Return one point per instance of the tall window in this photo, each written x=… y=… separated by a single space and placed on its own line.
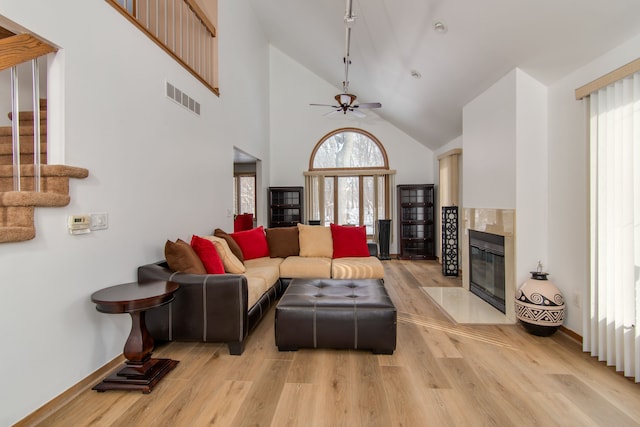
x=244 y=194
x=611 y=329
x=348 y=180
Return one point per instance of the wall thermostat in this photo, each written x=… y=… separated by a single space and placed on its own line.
x=79 y=224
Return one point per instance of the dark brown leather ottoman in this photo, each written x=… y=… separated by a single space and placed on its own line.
x=328 y=313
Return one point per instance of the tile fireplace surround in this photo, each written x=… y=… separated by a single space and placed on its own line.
x=495 y=221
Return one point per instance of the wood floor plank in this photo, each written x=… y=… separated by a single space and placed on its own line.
x=206 y=397
x=415 y=353
x=88 y=409
x=150 y=409
x=367 y=383
x=308 y=364
x=440 y=343
x=484 y=401
x=260 y=403
x=296 y=407
x=222 y=406
x=441 y=374
x=410 y=405
x=591 y=402
x=563 y=410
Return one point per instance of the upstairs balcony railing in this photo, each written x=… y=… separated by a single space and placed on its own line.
x=182 y=29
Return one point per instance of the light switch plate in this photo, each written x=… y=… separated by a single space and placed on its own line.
x=99 y=221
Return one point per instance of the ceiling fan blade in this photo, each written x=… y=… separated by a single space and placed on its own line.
x=369 y=105
x=332 y=113
x=325 y=105
x=357 y=113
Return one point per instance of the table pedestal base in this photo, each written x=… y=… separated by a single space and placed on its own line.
x=141 y=377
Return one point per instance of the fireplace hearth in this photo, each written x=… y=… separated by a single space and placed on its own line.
x=487 y=268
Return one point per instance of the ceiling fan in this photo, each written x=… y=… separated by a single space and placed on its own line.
x=346 y=101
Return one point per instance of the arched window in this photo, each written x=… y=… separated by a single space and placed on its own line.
x=349 y=180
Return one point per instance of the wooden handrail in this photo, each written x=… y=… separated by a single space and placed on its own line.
x=21 y=48
x=202 y=16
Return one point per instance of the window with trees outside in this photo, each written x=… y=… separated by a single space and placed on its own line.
x=348 y=180
x=244 y=194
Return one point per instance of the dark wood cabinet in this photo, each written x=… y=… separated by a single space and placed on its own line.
x=416 y=227
x=285 y=206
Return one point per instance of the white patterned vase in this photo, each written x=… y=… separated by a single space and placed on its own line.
x=540 y=306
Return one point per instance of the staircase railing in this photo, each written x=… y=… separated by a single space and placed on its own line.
x=182 y=29
x=15 y=50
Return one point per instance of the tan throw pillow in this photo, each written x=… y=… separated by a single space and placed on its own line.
x=233 y=245
x=315 y=240
x=182 y=257
x=231 y=263
x=283 y=242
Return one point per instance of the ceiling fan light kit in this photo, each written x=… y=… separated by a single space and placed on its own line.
x=346 y=101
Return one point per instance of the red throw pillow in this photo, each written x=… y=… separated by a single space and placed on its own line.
x=208 y=255
x=253 y=243
x=349 y=241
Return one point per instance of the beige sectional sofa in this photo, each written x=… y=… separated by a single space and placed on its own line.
x=226 y=307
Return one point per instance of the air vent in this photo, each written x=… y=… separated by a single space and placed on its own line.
x=178 y=96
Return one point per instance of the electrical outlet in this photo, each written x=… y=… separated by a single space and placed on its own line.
x=99 y=221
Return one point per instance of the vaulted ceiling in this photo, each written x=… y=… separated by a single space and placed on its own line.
x=481 y=42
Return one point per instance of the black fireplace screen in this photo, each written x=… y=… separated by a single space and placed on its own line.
x=487 y=275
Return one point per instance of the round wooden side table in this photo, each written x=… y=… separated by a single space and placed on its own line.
x=140 y=371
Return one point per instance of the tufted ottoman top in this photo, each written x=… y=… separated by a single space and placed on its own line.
x=336 y=293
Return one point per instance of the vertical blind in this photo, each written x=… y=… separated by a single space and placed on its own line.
x=611 y=331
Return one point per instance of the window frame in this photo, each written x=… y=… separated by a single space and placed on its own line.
x=237 y=192
x=316 y=177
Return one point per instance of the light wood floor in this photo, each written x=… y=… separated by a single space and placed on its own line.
x=442 y=374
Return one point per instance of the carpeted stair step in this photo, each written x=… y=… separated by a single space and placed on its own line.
x=16 y=234
x=26 y=145
x=24 y=114
x=17 y=207
x=16 y=199
x=53 y=178
x=26 y=153
x=25 y=129
x=16 y=223
x=27 y=116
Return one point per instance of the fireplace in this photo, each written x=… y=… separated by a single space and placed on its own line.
x=487 y=267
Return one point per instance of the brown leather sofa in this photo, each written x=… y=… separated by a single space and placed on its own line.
x=209 y=308
x=227 y=307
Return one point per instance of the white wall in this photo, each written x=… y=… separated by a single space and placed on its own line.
x=505 y=161
x=531 y=176
x=158 y=170
x=489 y=130
x=568 y=180
x=297 y=127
